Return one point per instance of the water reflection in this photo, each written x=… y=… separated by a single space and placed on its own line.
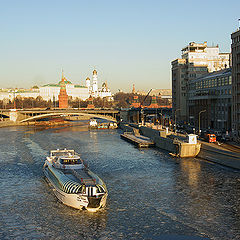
x=151 y=195
x=191 y=170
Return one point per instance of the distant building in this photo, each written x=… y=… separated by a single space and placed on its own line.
x=9 y=94
x=135 y=103
x=159 y=93
x=236 y=81
x=104 y=92
x=153 y=103
x=94 y=91
x=211 y=92
x=52 y=91
x=163 y=94
x=197 y=59
x=133 y=90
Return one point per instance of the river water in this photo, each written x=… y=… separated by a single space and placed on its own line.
x=151 y=195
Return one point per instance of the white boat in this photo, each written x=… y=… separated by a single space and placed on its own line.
x=73 y=183
x=93 y=123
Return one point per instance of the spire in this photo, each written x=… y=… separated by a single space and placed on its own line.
x=133 y=90
x=62 y=75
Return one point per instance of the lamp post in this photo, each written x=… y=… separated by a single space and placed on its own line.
x=176 y=118
x=199 y=121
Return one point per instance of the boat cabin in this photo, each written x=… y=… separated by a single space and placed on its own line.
x=66 y=159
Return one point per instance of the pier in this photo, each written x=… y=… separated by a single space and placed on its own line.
x=140 y=141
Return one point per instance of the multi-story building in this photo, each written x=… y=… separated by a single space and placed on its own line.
x=210 y=99
x=10 y=94
x=197 y=59
x=236 y=82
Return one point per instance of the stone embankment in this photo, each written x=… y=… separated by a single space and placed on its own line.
x=217 y=153
x=220 y=154
x=10 y=124
x=176 y=145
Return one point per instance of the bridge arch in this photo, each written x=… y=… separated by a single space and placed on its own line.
x=61 y=114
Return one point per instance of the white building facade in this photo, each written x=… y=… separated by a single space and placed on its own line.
x=197 y=59
x=51 y=91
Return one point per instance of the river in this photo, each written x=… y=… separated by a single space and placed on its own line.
x=151 y=195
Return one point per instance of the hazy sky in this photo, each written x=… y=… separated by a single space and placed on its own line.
x=128 y=42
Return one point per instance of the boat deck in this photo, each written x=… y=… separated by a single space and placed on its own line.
x=80 y=175
x=140 y=141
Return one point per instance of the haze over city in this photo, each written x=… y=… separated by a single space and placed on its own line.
x=128 y=42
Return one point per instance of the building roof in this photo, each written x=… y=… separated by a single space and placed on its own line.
x=79 y=86
x=51 y=85
x=219 y=73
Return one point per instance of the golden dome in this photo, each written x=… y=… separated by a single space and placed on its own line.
x=87 y=78
x=94 y=72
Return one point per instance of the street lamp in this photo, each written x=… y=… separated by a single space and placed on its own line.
x=199 y=121
x=176 y=118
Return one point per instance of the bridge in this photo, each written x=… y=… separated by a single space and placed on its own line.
x=30 y=115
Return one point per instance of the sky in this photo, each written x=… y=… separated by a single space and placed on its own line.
x=128 y=42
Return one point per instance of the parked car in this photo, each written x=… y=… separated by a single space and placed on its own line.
x=210 y=137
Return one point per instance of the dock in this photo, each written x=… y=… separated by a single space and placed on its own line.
x=140 y=141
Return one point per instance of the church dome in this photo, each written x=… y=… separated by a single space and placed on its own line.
x=94 y=72
x=87 y=78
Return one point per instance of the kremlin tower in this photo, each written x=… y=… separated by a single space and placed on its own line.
x=154 y=103
x=63 y=97
x=135 y=103
x=133 y=90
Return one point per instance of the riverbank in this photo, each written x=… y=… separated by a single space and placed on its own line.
x=221 y=154
x=175 y=145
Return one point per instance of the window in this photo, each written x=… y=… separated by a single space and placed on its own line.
x=226 y=80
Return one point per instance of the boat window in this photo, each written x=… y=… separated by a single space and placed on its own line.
x=62 y=153
x=68 y=161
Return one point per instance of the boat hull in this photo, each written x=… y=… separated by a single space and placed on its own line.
x=77 y=201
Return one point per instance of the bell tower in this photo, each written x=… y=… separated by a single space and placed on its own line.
x=95 y=84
